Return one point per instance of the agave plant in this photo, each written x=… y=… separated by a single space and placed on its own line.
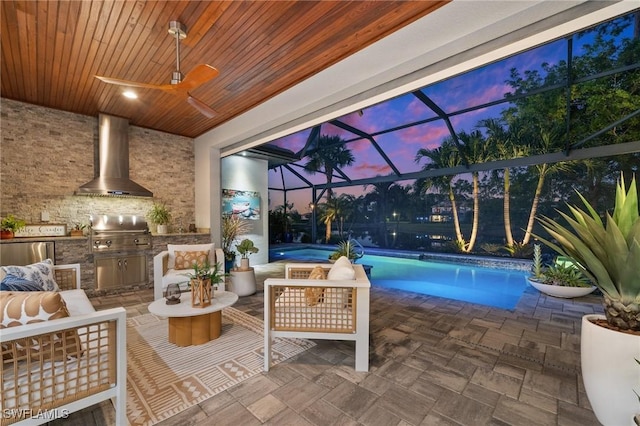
x=609 y=255
x=348 y=249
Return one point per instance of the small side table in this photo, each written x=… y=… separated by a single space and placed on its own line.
x=243 y=283
x=194 y=326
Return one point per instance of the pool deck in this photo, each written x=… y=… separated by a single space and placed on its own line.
x=433 y=361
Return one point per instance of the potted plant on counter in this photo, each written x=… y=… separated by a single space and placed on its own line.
x=160 y=216
x=77 y=230
x=246 y=248
x=609 y=254
x=10 y=225
x=563 y=279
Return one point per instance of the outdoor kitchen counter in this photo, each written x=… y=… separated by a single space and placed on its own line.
x=42 y=239
x=78 y=250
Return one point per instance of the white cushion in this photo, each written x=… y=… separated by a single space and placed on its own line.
x=179 y=276
x=172 y=248
x=175 y=276
x=77 y=302
x=342 y=270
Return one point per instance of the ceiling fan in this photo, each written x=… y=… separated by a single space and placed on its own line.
x=180 y=86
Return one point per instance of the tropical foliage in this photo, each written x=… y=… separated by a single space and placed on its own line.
x=207 y=272
x=345 y=248
x=232 y=227
x=328 y=157
x=246 y=248
x=159 y=214
x=607 y=252
x=11 y=223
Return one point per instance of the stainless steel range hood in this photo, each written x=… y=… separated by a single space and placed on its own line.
x=112 y=166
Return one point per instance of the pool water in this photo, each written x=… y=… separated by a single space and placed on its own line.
x=500 y=288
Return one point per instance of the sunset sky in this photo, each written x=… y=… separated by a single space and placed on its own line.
x=467 y=90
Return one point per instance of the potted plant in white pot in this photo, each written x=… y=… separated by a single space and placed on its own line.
x=160 y=216
x=558 y=280
x=246 y=248
x=609 y=254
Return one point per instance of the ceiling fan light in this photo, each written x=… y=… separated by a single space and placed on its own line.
x=178 y=29
x=130 y=94
x=176 y=77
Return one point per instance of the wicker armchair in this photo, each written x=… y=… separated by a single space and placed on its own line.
x=339 y=311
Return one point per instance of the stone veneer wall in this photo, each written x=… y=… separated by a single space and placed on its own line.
x=45 y=154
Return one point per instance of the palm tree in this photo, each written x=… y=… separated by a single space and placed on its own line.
x=329 y=211
x=549 y=142
x=443 y=157
x=380 y=195
x=347 y=208
x=330 y=154
x=474 y=147
x=502 y=145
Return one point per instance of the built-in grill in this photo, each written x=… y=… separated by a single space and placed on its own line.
x=119 y=233
x=125 y=242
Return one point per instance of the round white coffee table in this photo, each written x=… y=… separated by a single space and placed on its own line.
x=194 y=326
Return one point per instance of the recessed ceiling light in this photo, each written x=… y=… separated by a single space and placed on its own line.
x=129 y=94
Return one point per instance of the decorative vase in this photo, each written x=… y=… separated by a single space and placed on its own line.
x=6 y=234
x=244 y=264
x=610 y=372
x=162 y=229
x=561 y=291
x=201 y=293
x=229 y=264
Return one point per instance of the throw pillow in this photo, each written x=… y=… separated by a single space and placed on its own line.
x=187 y=259
x=13 y=283
x=40 y=273
x=172 y=248
x=21 y=308
x=313 y=295
x=342 y=270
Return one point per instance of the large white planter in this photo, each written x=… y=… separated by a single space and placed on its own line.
x=561 y=291
x=610 y=372
x=243 y=283
x=162 y=229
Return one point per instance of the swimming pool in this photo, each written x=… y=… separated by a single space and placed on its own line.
x=499 y=288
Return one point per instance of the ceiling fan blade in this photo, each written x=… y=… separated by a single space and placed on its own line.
x=204 y=109
x=196 y=77
x=120 y=82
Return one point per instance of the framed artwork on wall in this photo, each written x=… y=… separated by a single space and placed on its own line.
x=243 y=204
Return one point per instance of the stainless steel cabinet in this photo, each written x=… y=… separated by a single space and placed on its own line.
x=113 y=272
x=21 y=253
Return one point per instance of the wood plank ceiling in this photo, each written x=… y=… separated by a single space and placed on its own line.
x=51 y=51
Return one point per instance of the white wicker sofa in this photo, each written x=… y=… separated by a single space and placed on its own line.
x=39 y=385
x=339 y=309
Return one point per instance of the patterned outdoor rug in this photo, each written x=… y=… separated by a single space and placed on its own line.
x=164 y=379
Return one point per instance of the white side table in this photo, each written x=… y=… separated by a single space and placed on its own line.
x=243 y=283
x=194 y=326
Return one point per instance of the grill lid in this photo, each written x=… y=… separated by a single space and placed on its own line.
x=101 y=223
